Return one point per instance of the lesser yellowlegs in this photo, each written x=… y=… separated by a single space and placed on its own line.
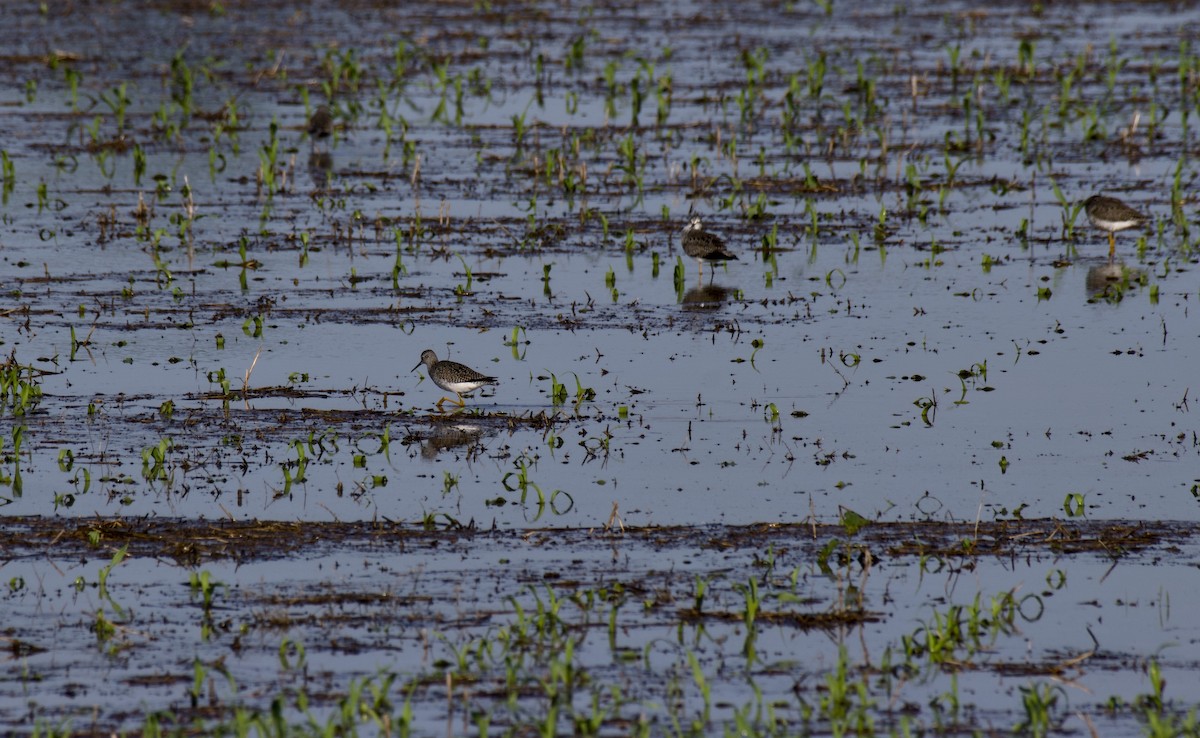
x=704 y=246
x=320 y=124
x=452 y=377
x=1112 y=215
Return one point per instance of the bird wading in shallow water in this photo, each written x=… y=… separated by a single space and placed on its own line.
x=452 y=377
x=320 y=124
x=704 y=246
x=1112 y=215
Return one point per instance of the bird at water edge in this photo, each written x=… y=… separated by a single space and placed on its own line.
x=704 y=246
x=452 y=377
x=1112 y=215
x=320 y=124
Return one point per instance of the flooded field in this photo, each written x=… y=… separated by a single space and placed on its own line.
x=920 y=460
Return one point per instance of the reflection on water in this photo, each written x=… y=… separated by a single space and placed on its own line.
x=320 y=169
x=445 y=437
x=706 y=297
x=1110 y=280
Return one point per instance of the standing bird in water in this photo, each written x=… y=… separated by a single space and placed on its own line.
x=452 y=377
x=704 y=246
x=1112 y=215
x=320 y=124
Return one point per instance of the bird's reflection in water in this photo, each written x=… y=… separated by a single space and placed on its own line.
x=1109 y=281
x=320 y=168
x=705 y=297
x=446 y=437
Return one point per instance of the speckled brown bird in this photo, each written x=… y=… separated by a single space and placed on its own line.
x=320 y=124
x=1112 y=215
x=704 y=246
x=453 y=377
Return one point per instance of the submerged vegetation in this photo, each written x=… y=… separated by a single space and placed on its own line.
x=593 y=651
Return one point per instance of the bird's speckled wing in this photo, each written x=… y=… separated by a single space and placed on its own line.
x=704 y=245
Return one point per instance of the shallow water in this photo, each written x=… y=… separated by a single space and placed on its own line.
x=920 y=327
x=342 y=600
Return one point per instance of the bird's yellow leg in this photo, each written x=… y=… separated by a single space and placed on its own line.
x=1112 y=246
x=460 y=402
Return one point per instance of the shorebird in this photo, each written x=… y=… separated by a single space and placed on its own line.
x=320 y=124
x=704 y=246
x=452 y=377
x=1112 y=215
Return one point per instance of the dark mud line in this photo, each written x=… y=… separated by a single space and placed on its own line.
x=197 y=541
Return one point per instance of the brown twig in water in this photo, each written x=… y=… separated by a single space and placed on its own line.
x=246 y=379
x=615 y=519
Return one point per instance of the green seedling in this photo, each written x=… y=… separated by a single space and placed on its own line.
x=1025 y=63
x=558 y=391
x=13 y=479
x=463 y=289
x=72 y=77
x=117 y=100
x=102 y=576
x=293 y=656
x=1040 y=702
x=183 y=84
x=295 y=471
x=202 y=584
x=518 y=342
x=8 y=175
x=928 y=407
x=154 y=461
x=756 y=344
x=20 y=391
